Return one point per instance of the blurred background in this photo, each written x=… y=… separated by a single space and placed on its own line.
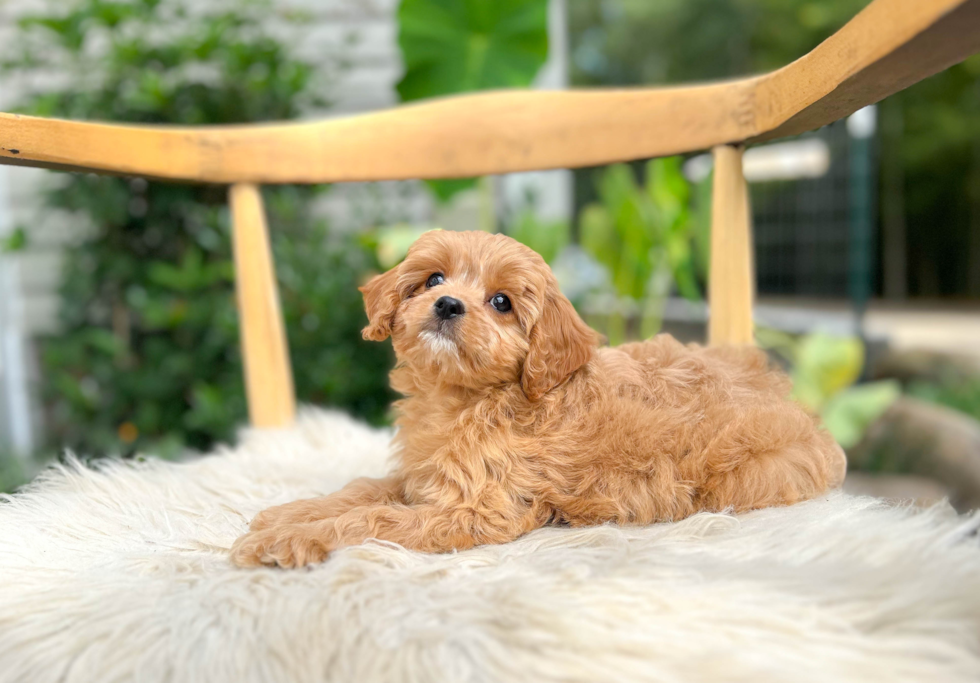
x=118 y=330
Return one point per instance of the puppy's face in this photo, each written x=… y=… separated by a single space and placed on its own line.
x=472 y=309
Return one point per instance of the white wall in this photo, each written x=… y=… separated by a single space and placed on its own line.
x=17 y=419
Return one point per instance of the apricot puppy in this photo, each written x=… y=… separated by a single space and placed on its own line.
x=514 y=418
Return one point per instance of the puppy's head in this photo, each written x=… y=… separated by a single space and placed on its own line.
x=473 y=309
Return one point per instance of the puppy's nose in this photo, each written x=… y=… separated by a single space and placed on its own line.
x=447 y=307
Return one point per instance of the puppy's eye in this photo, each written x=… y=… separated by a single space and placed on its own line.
x=435 y=279
x=500 y=302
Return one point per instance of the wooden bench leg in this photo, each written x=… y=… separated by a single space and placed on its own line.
x=731 y=282
x=268 y=374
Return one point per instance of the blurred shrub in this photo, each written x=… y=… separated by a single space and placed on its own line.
x=148 y=355
x=13 y=471
x=547 y=237
x=14 y=242
x=636 y=41
x=962 y=394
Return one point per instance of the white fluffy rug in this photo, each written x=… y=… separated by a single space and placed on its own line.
x=121 y=574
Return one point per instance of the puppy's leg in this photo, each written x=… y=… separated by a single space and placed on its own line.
x=358 y=493
x=426 y=528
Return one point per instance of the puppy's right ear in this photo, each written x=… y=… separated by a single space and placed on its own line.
x=381 y=298
x=560 y=344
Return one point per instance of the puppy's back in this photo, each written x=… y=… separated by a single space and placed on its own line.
x=728 y=367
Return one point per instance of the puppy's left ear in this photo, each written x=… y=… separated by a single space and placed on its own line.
x=561 y=343
x=381 y=298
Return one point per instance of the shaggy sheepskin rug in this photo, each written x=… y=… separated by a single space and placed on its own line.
x=120 y=573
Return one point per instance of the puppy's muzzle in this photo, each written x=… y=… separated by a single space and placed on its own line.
x=446 y=308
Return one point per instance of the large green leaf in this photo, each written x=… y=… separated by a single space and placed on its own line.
x=456 y=46
x=849 y=414
x=825 y=366
x=453 y=46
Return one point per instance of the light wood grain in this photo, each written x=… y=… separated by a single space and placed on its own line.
x=268 y=375
x=731 y=287
x=888 y=46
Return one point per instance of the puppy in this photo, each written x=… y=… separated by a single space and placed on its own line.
x=514 y=418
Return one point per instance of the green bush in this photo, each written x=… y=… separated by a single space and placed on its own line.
x=148 y=356
x=958 y=393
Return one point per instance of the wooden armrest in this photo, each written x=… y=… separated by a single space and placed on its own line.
x=888 y=46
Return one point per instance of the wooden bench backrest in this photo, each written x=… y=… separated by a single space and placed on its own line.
x=890 y=45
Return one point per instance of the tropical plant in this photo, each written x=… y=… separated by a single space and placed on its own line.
x=147 y=357
x=456 y=46
x=646 y=235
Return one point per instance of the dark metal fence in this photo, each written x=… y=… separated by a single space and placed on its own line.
x=814 y=237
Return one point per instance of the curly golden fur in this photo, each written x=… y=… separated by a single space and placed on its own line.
x=515 y=419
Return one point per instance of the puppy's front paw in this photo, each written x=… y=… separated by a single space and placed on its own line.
x=290 y=545
x=267 y=519
x=297 y=512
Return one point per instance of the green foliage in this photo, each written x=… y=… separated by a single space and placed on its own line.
x=645 y=236
x=219 y=67
x=13 y=471
x=929 y=132
x=672 y=41
x=456 y=46
x=148 y=355
x=849 y=414
x=15 y=241
x=959 y=393
x=825 y=370
x=824 y=366
x=936 y=141
x=453 y=46
x=547 y=237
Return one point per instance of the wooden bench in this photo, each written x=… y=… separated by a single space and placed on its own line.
x=890 y=45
